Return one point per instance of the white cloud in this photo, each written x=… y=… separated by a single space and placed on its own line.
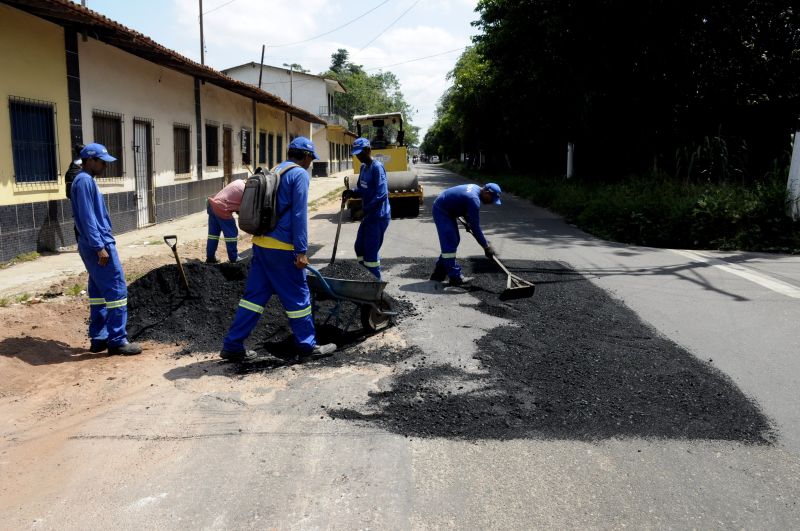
x=234 y=35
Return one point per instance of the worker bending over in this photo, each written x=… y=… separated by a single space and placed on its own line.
x=220 y=220
x=373 y=190
x=279 y=262
x=108 y=292
x=460 y=201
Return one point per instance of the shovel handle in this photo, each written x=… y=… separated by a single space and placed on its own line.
x=171 y=238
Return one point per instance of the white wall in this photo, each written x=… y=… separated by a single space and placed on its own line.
x=115 y=81
x=227 y=109
x=308 y=92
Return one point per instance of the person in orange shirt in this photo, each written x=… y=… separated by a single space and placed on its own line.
x=220 y=220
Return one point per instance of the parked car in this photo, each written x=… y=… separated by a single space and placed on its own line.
x=434 y=159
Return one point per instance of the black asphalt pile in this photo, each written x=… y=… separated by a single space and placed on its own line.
x=159 y=310
x=573 y=363
x=347 y=270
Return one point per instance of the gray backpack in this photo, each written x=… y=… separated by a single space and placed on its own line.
x=258 y=213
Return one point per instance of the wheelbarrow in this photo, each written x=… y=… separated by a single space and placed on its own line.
x=373 y=306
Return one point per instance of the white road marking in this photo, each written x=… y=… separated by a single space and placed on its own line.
x=748 y=274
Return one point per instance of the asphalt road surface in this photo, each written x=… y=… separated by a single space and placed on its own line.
x=350 y=443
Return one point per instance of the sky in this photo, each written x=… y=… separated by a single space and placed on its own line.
x=391 y=32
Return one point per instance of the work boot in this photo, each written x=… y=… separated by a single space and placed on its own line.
x=128 y=349
x=323 y=350
x=242 y=356
x=212 y=260
x=439 y=272
x=459 y=281
x=98 y=345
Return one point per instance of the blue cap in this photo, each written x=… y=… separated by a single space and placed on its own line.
x=496 y=191
x=305 y=144
x=360 y=145
x=96 y=151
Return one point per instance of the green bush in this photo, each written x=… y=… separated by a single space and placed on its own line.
x=658 y=211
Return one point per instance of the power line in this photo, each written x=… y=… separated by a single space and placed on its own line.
x=417 y=59
x=219 y=7
x=390 y=25
x=330 y=31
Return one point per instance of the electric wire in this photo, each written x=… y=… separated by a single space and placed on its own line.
x=219 y=7
x=330 y=31
x=415 y=60
x=390 y=25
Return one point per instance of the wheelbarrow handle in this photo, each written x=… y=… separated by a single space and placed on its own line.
x=324 y=282
x=171 y=238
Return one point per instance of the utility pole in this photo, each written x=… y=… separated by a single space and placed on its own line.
x=793 y=186
x=202 y=40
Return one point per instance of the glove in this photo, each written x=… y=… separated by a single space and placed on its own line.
x=488 y=251
x=347 y=194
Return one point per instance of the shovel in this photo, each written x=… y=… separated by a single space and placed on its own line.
x=516 y=287
x=339 y=225
x=172 y=242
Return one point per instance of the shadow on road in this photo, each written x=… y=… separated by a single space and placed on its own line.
x=37 y=351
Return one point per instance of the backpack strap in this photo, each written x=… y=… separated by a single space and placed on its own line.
x=280 y=176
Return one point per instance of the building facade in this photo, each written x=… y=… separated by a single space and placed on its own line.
x=315 y=94
x=179 y=130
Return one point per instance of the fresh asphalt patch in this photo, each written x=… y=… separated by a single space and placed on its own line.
x=572 y=363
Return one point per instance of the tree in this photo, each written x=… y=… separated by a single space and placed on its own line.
x=369 y=94
x=634 y=85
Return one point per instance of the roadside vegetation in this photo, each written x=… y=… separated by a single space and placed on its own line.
x=680 y=142
x=26 y=257
x=658 y=211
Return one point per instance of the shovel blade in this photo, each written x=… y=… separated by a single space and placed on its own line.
x=521 y=292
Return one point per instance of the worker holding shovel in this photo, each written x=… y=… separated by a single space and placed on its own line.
x=373 y=190
x=460 y=201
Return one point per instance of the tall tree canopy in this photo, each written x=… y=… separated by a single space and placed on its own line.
x=671 y=84
x=369 y=93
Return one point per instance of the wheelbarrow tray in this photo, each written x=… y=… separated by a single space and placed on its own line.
x=362 y=291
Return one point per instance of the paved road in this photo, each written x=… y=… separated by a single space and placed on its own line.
x=203 y=450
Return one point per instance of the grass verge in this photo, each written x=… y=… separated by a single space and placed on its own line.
x=659 y=212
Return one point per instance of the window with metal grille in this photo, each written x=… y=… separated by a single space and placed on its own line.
x=262 y=148
x=271 y=148
x=33 y=140
x=331 y=154
x=245 y=138
x=279 y=157
x=181 y=145
x=212 y=145
x=108 y=131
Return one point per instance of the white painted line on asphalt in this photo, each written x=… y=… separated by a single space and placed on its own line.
x=748 y=274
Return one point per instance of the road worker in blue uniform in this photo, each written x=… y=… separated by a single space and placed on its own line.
x=374 y=193
x=108 y=292
x=460 y=201
x=278 y=265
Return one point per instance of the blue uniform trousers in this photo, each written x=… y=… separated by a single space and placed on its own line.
x=368 y=243
x=272 y=271
x=108 y=297
x=447 y=227
x=230 y=235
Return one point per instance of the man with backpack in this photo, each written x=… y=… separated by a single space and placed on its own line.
x=373 y=190
x=220 y=220
x=278 y=264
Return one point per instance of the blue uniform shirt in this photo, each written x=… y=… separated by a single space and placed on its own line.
x=90 y=213
x=463 y=200
x=292 y=202
x=373 y=189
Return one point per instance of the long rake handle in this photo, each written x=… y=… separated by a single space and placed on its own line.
x=338 y=230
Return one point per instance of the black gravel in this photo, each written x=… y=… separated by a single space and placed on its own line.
x=348 y=270
x=159 y=310
x=573 y=363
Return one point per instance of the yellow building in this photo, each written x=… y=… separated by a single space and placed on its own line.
x=180 y=130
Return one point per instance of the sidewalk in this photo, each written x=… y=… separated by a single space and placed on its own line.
x=35 y=276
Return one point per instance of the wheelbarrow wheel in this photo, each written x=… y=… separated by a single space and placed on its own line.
x=372 y=319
